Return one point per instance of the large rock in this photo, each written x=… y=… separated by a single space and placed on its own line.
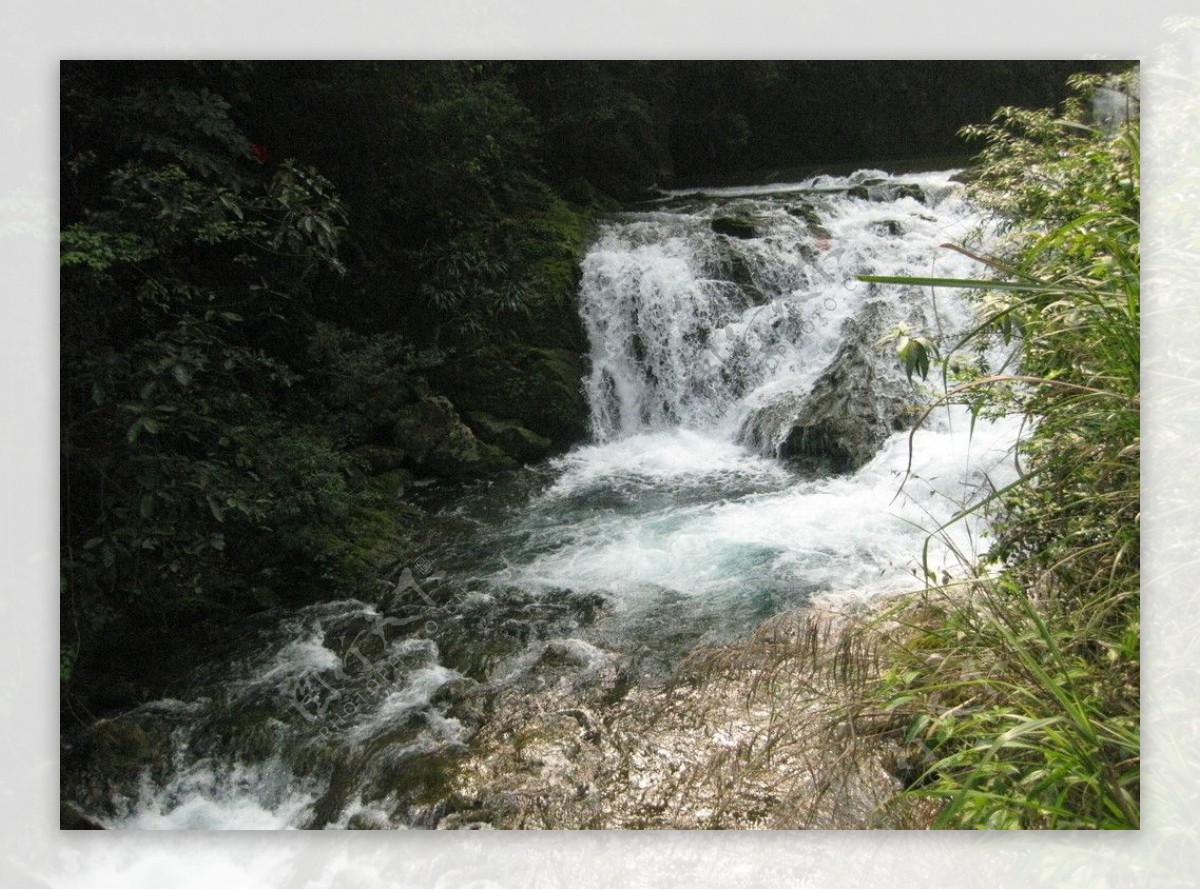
x=539 y=388
x=437 y=440
x=741 y=219
x=848 y=415
x=509 y=436
x=882 y=190
x=860 y=399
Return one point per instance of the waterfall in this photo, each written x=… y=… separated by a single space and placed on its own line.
x=724 y=309
x=749 y=439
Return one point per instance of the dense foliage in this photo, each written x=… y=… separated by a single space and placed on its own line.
x=1018 y=688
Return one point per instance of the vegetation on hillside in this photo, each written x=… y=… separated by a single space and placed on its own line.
x=262 y=268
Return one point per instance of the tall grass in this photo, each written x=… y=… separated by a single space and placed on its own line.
x=1015 y=690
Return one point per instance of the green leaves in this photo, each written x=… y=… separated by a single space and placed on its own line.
x=309 y=216
x=187 y=471
x=98 y=249
x=915 y=353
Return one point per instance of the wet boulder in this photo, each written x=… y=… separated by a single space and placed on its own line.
x=729 y=264
x=859 y=400
x=907 y=190
x=807 y=212
x=849 y=414
x=737 y=226
x=881 y=190
x=888 y=228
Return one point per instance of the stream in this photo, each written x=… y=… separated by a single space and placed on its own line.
x=692 y=514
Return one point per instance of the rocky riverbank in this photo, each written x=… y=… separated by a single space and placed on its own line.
x=761 y=733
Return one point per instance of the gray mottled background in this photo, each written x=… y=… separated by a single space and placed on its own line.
x=35 y=35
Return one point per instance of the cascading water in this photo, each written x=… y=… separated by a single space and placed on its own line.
x=734 y=364
x=677 y=339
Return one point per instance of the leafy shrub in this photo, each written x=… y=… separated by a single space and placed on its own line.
x=188 y=485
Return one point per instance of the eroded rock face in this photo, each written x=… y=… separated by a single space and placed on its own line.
x=860 y=399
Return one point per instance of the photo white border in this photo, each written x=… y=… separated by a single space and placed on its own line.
x=35 y=35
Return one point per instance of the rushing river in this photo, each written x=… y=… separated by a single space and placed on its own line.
x=710 y=315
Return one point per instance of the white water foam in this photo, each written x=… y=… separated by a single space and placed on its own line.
x=299 y=695
x=416 y=695
x=257 y=796
x=677 y=456
x=844 y=530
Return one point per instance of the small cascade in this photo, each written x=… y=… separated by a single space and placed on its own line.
x=722 y=314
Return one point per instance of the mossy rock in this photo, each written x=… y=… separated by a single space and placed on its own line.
x=547 y=247
x=112 y=753
x=509 y=436
x=437 y=440
x=120 y=745
x=557 y=376
x=540 y=388
x=527 y=367
x=381 y=459
x=377 y=529
x=492 y=460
